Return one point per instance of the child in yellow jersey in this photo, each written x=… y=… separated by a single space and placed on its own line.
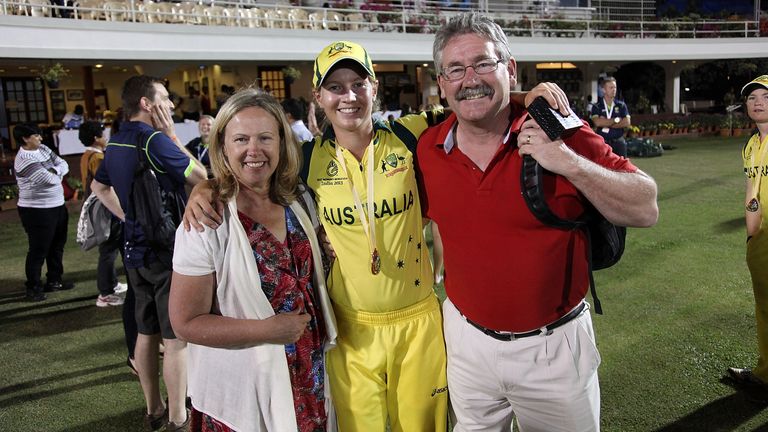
x=755 y=156
x=389 y=364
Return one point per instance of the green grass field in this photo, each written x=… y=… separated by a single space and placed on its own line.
x=678 y=311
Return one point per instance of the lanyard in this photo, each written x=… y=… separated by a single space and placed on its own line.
x=608 y=109
x=754 y=203
x=201 y=151
x=369 y=223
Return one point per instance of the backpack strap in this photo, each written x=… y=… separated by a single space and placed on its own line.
x=532 y=179
x=532 y=182
x=406 y=136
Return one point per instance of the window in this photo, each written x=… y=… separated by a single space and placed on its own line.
x=24 y=100
x=272 y=79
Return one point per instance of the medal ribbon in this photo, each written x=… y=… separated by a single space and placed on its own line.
x=369 y=223
x=759 y=164
x=608 y=110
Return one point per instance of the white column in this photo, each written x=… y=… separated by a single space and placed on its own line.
x=672 y=85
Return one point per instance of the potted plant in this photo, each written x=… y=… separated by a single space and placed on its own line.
x=291 y=74
x=9 y=195
x=77 y=185
x=53 y=74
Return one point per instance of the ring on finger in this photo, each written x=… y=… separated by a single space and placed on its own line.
x=528 y=139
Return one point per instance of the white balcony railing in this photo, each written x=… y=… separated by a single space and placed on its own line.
x=518 y=18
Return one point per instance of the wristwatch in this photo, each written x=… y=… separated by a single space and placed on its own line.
x=616 y=120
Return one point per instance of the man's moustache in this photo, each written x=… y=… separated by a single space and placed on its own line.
x=474 y=91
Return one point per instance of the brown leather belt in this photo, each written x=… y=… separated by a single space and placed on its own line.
x=546 y=330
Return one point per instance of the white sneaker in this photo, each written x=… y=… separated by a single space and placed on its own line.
x=120 y=288
x=109 y=300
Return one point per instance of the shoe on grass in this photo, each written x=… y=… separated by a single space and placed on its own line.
x=156 y=422
x=173 y=427
x=58 y=286
x=121 y=288
x=109 y=300
x=745 y=377
x=35 y=296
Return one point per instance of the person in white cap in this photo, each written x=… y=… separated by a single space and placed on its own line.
x=755 y=165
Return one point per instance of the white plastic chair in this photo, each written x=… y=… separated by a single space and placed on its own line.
x=356 y=22
x=89 y=9
x=299 y=19
x=115 y=11
x=275 y=18
x=38 y=8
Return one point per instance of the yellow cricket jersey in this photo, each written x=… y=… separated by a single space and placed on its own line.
x=751 y=154
x=406 y=270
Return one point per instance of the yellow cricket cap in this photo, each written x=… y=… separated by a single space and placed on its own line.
x=761 y=81
x=336 y=52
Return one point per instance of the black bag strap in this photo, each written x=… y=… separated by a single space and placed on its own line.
x=532 y=184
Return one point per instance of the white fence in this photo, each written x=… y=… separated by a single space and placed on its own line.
x=518 y=18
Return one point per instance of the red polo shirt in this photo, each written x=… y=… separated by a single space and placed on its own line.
x=505 y=270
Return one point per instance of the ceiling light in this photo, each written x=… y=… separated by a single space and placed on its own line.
x=98 y=65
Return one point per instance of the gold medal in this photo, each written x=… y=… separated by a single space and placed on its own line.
x=375 y=262
x=753 y=205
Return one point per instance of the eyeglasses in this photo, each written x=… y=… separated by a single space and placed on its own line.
x=457 y=72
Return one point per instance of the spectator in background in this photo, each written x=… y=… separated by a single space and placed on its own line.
x=148 y=130
x=73 y=120
x=91 y=134
x=129 y=306
x=175 y=99
x=199 y=146
x=222 y=96
x=587 y=114
x=191 y=107
x=39 y=173
x=294 y=110
x=610 y=116
x=205 y=102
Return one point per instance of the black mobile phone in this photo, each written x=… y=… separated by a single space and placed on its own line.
x=551 y=121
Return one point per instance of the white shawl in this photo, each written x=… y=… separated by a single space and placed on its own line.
x=248 y=389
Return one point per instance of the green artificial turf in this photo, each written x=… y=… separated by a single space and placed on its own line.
x=678 y=311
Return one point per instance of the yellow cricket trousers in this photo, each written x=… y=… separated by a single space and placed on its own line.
x=757 y=261
x=390 y=365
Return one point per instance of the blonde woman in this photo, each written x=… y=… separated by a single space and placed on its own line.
x=250 y=297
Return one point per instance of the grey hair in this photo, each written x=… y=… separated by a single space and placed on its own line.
x=470 y=23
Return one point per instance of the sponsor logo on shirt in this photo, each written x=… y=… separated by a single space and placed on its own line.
x=439 y=390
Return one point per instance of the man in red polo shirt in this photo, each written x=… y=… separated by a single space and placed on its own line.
x=518 y=332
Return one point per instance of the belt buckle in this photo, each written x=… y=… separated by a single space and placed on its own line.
x=499 y=335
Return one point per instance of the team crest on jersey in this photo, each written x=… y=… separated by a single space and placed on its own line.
x=391 y=161
x=333 y=169
x=393 y=164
